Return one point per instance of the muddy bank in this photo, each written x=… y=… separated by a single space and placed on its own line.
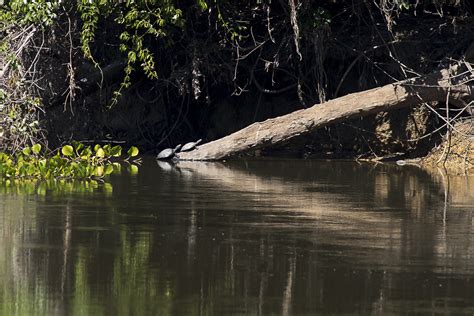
x=455 y=153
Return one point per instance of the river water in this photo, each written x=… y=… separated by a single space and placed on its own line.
x=272 y=237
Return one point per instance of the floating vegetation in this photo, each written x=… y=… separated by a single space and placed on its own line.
x=71 y=162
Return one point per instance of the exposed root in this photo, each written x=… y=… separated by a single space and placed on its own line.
x=294 y=25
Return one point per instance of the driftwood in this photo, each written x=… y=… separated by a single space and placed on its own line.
x=439 y=86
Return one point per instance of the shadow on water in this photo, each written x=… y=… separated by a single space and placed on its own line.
x=248 y=237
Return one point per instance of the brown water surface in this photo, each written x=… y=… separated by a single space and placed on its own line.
x=281 y=237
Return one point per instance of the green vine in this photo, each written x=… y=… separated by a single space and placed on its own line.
x=90 y=12
x=141 y=23
x=38 y=12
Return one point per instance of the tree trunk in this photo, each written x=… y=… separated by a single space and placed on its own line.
x=438 y=86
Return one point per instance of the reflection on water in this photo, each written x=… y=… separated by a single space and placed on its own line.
x=252 y=237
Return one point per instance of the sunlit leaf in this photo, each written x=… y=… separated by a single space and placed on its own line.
x=36 y=149
x=100 y=153
x=109 y=169
x=67 y=150
x=106 y=149
x=116 y=151
x=99 y=171
x=77 y=146
x=133 y=151
x=26 y=151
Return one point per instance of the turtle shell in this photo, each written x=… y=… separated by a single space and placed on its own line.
x=168 y=152
x=165 y=153
x=190 y=146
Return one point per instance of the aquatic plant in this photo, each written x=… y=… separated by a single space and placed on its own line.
x=75 y=161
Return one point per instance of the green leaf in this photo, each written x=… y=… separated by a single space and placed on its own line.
x=36 y=149
x=3 y=157
x=67 y=150
x=26 y=151
x=77 y=146
x=133 y=151
x=100 y=153
x=109 y=169
x=202 y=4
x=116 y=151
x=86 y=153
x=99 y=171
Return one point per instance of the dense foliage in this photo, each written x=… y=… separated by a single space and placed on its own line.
x=75 y=161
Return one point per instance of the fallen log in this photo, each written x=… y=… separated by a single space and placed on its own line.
x=439 y=86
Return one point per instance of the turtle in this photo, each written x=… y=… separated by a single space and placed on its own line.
x=190 y=146
x=168 y=153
